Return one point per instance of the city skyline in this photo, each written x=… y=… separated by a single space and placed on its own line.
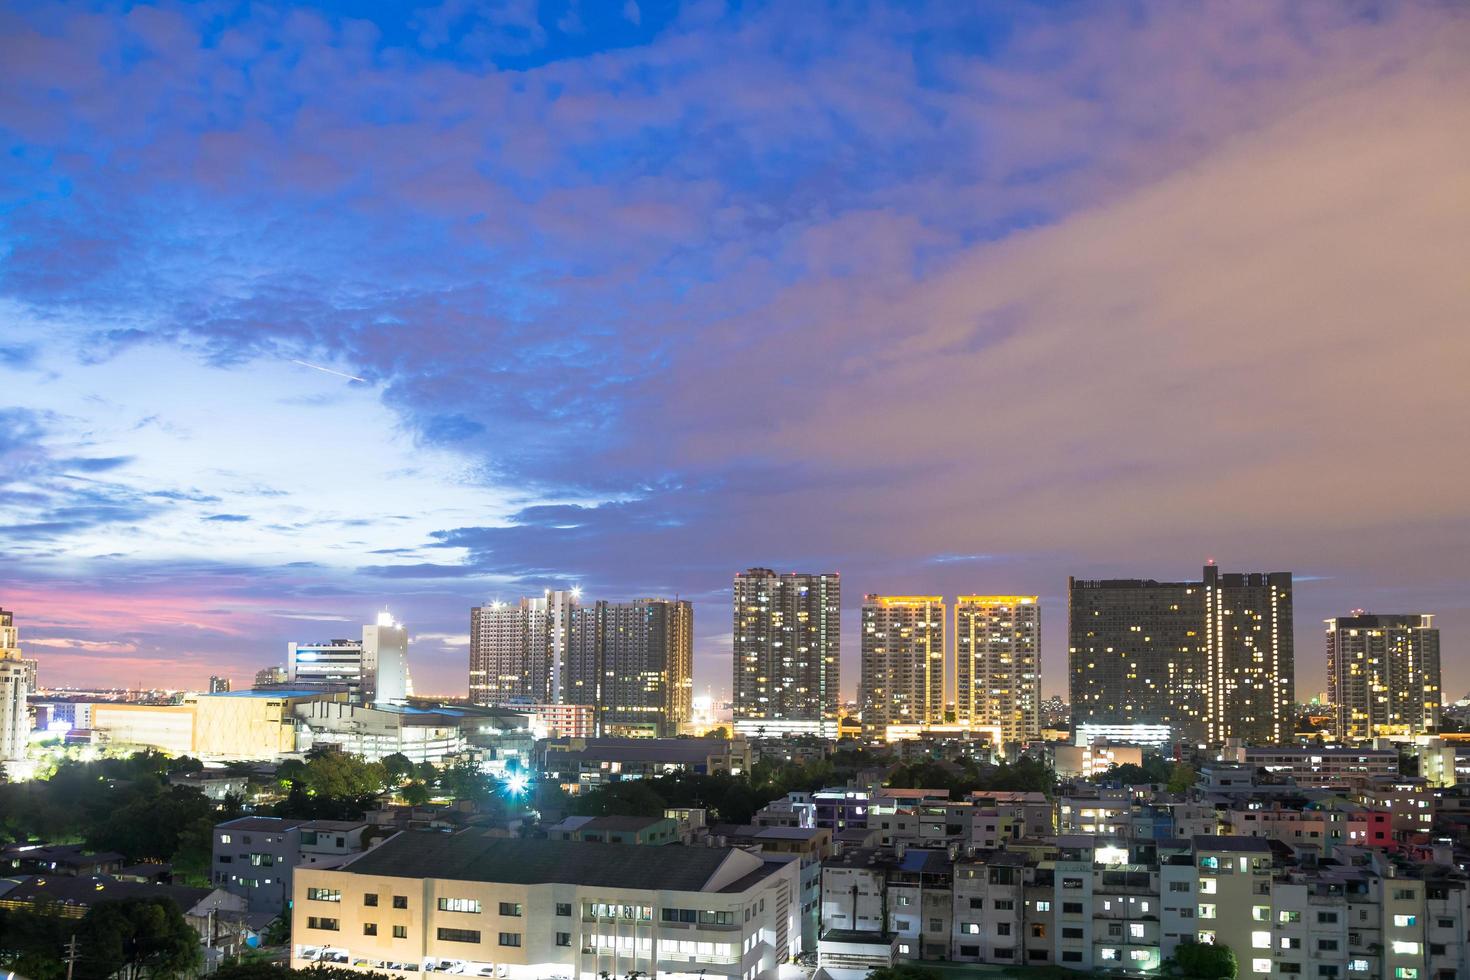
x=307 y=314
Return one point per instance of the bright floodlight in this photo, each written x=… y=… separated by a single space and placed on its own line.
x=517 y=783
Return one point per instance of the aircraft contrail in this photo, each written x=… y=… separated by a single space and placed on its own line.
x=318 y=367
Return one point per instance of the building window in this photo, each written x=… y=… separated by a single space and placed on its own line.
x=508 y=908
x=1178 y=886
x=1071 y=933
x=369 y=928
x=1261 y=940
x=1402 y=921
x=315 y=922
x=400 y=901
x=1004 y=905
x=1071 y=908
x=400 y=932
x=510 y=939
x=1327 y=917
x=323 y=895
x=1285 y=916
x=459 y=935
x=370 y=899
x=563 y=908
x=225 y=839
x=1135 y=930
x=1261 y=965
x=1043 y=906
x=459 y=905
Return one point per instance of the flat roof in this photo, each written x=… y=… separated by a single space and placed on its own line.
x=471 y=857
x=295 y=692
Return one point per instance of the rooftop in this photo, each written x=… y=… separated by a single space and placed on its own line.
x=471 y=857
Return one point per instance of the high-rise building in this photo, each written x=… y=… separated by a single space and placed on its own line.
x=370 y=670
x=1211 y=659
x=15 y=721
x=1250 y=653
x=1383 y=674
x=510 y=652
x=558 y=606
x=384 y=661
x=219 y=685
x=902 y=661
x=646 y=653
x=787 y=648
x=997 y=643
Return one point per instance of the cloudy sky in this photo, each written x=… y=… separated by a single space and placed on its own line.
x=309 y=311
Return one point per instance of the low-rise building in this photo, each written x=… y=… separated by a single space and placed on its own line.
x=582 y=763
x=256 y=857
x=532 y=909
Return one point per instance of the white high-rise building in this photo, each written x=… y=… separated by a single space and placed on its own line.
x=384 y=661
x=15 y=674
x=373 y=669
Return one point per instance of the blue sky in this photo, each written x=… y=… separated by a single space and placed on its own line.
x=309 y=310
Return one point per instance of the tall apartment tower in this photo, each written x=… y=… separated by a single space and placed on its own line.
x=787 y=648
x=646 y=653
x=1211 y=659
x=997 y=643
x=219 y=685
x=1251 y=656
x=384 y=661
x=15 y=719
x=1383 y=675
x=510 y=652
x=558 y=606
x=903 y=661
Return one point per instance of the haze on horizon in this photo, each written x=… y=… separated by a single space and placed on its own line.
x=310 y=311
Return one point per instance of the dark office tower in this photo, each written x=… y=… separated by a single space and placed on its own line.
x=510 y=652
x=1383 y=675
x=1210 y=659
x=787 y=649
x=1136 y=656
x=903 y=661
x=582 y=676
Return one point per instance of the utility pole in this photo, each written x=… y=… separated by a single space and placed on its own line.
x=71 y=956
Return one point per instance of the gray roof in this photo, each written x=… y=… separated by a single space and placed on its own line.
x=262 y=824
x=471 y=857
x=1204 y=843
x=665 y=750
x=616 y=822
x=90 y=889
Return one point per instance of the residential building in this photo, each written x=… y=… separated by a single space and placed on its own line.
x=787 y=651
x=581 y=763
x=997 y=642
x=902 y=661
x=15 y=719
x=648 y=831
x=510 y=652
x=256 y=857
x=219 y=685
x=1311 y=767
x=641 y=654
x=526 y=909
x=1211 y=659
x=267 y=677
x=1383 y=675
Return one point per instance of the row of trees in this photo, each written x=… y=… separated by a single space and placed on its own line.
x=127 y=939
x=735 y=799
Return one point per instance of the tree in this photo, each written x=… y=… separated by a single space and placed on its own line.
x=338 y=774
x=397 y=768
x=1205 y=961
x=1181 y=778
x=633 y=798
x=135 y=938
x=415 y=794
